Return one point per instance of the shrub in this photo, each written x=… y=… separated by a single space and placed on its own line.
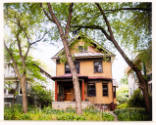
x=70 y=116
x=136 y=100
x=132 y=114
x=122 y=94
x=107 y=116
x=122 y=106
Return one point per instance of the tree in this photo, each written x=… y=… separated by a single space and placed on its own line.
x=64 y=34
x=20 y=27
x=94 y=24
x=124 y=80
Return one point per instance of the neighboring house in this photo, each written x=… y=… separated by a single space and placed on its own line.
x=94 y=68
x=133 y=81
x=12 y=89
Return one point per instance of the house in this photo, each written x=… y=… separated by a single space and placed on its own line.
x=94 y=68
x=12 y=89
x=133 y=83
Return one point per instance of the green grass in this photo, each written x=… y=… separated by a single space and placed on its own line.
x=132 y=114
x=89 y=114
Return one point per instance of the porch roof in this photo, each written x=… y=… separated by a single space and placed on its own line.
x=69 y=77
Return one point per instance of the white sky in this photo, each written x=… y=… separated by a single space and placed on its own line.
x=45 y=51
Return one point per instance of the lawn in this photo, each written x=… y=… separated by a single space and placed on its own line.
x=47 y=113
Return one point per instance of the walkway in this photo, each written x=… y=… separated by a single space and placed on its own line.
x=115 y=116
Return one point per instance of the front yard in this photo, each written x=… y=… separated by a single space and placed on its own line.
x=89 y=114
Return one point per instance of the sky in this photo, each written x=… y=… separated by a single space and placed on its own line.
x=45 y=51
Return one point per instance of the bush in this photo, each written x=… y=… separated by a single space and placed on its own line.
x=137 y=99
x=132 y=114
x=122 y=106
x=70 y=116
x=122 y=95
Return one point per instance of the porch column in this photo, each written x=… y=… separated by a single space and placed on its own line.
x=55 y=90
x=83 y=96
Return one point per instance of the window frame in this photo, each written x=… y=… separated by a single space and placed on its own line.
x=65 y=69
x=114 y=91
x=83 y=49
x=89 y=89
x=105 y=84
x=101 y=66
x=77 y=69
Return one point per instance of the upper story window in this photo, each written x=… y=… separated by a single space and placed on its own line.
x=82 y=49
x=67 y=68
x=91 y=89
x=77 y=66
x=114 y=91
x=98 y=66
x=105 y=89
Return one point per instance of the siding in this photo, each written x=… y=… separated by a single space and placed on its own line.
x=99 y=98
x=87 y=69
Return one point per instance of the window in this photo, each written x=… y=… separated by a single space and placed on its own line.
x=105 y=89
x=5 y=91
x=114 y=91
x=98 y=66
x=67 y=68
x=58 y=61
x=11 y=91
x=77 y=66
x=91 y=89
x=82 y=49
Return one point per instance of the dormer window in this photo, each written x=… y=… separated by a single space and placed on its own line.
x=98 y=66
x=82 y=49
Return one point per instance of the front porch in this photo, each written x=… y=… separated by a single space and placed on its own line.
x=64 y=91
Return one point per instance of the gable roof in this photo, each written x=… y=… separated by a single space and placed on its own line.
x=86 y=54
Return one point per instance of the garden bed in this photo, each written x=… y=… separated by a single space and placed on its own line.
x=89 y=114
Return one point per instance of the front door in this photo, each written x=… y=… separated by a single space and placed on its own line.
x=68 y=92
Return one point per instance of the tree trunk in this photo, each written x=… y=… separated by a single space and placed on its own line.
x=76 y=86
x=24 y=94
x=74 y=76
x=64 y=37
x=143 y=83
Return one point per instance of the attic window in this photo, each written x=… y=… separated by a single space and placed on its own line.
x=82 y=49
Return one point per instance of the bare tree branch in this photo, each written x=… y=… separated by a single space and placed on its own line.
x=39 y=39
x=45 y=12
x=93 y=27
x=19 y=45
x=30 y=44
x=106 y=20
x=69 y=20
x=134 y=9
x=54 y=18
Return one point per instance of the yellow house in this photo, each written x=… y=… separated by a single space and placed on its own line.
x=94 y=68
